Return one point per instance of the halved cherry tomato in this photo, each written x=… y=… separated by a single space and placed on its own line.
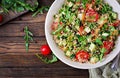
x=45 y=50
x=91 y=15
x=108 y=46
x=82 y=55
x=1 y=18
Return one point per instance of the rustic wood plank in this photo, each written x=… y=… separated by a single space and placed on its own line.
x=16 y=45
x=40 y=18
x=22 y=64
x=17 y=29
x=12 y=14
x=42 y=72
x=46 y=2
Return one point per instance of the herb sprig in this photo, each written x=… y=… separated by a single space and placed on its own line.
x=17 y=5
x=28 y=37
x=47 y=60
x=41 y=10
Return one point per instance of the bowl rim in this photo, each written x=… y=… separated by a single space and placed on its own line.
x=74 y=64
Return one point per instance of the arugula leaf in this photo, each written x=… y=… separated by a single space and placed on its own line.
x=84 y=2
x=46 y=60
x=28 y=37
x=103 y=50
x=105 y=8
x=17 y=5
x=40 y=10
x=98 y=41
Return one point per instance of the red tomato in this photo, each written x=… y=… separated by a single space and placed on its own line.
x=117 y=23
x=81 y=30
x=45 y=50
x=107 y=45
x=92 y=15
x=1 y=18
x=82 y=55
x=54 y=25
x=92 y=32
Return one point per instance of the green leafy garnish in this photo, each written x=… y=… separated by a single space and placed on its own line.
x=84 y=2
x=41 y=10
x=17 y=5
x=28 y=37
x=119 y=31
x=105 y=8
x=103 y=50
x=98 y=41
x=47 y=60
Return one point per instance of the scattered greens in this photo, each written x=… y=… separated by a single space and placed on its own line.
x=103 y=50
x=17 y=5
x=28 y=37
x=22 y=5
x=40 y=10
x=47 y=60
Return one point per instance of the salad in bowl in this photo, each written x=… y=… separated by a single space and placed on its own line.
x=85 y=31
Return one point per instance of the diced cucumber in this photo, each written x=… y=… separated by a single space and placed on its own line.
x=80 y=16
x=94 y=60
x=68 y=53
x=70 y=4
x=92 y=47
x=114 y=15
x=89 y=39
x=105 y=34
x=87 y=29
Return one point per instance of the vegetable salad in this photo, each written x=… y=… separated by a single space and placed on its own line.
x=85 y=30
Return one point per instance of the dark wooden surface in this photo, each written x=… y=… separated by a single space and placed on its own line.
x=13 y=14
x=16 y=63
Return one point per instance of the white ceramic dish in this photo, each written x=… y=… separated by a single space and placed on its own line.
x=60 y=54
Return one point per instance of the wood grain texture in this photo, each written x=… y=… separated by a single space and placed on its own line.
x=13 y=14
x=15 y=62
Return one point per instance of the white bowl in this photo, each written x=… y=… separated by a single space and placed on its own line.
x=60 y=54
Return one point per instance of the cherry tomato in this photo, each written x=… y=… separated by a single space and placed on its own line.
x=92 y=15
x=45 y=50
x=82 y=55
x=108 y=45
x=1 y=18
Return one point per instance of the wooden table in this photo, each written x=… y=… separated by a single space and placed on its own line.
x=15 y=62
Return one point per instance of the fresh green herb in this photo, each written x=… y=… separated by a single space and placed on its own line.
x=103 y=50
x=28 y=37
x=105 y=8
x=98 y=2
x=81 y=38
x=119 y=31
x=98 y=41
x=17 y=5
x=72 y=56
x=58 y=30
x=41 y=10
x=91 y=25
x=84 y=2
x=47 y=60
